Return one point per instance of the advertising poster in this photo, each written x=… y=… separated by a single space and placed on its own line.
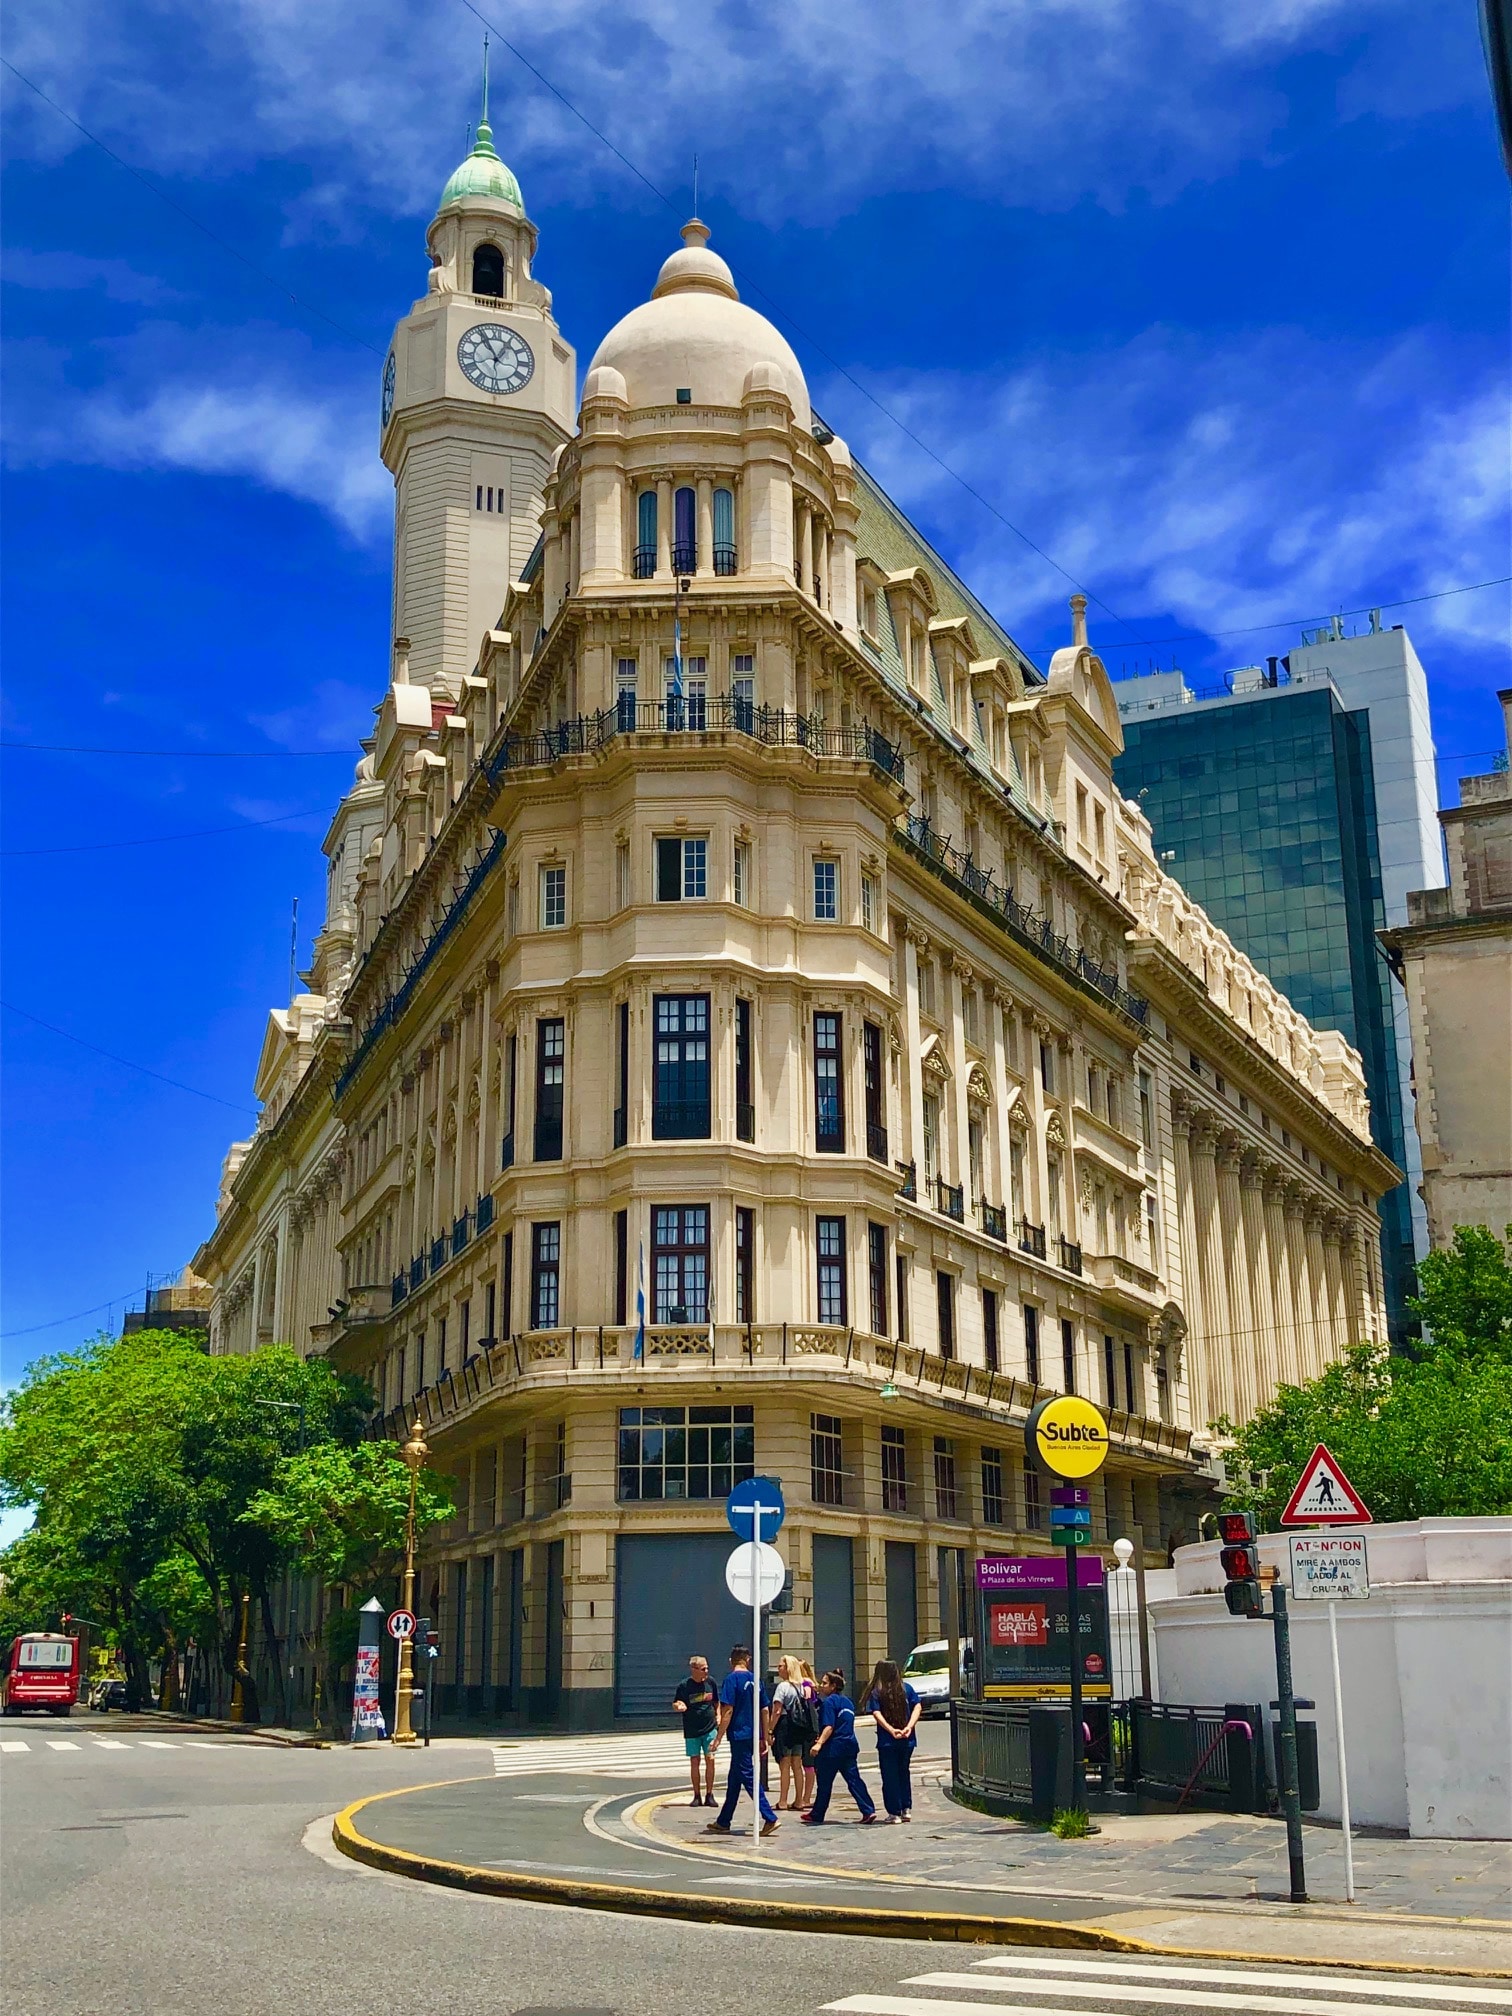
x=367 y=1715
x=1024 y=1628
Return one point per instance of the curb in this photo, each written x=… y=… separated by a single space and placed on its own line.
x=781 y=1915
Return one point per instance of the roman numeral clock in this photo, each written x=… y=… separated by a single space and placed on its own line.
x=495 y=359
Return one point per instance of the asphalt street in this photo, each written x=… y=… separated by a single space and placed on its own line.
x=148 y=1871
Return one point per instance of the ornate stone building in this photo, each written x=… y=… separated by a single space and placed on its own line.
x=750 y=1030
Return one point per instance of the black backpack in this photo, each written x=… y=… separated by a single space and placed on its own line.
x=806 y=1716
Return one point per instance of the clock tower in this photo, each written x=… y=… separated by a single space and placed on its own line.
x=479 y=391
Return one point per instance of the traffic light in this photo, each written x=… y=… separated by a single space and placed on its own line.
x=783 y=1600
x=1240 y=1561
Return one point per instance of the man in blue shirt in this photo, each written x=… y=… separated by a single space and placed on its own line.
x=740 y=1723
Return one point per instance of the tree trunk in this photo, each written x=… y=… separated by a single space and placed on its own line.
x=168 y=1686
x=280 y=1663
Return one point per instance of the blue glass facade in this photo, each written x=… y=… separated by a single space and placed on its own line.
x=1268 y=807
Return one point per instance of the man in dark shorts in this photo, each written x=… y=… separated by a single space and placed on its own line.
x=697 y=1702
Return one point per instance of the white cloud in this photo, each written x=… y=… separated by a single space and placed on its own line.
x=70 y=272
x=1045 y=100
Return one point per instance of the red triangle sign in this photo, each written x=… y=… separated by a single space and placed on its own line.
x=1324 y=1496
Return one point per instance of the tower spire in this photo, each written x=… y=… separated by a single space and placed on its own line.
x=485 y=77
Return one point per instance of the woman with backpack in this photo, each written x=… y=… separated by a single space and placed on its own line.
x=815 y=1713
x=789 y=1733
x=837 y=1754
x=895 y=1708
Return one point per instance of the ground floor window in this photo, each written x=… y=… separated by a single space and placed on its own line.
x=894 y=1471
x=684 y=1452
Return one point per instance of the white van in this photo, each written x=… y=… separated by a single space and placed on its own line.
x=927 y=1671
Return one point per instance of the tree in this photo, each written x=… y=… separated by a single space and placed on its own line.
x=1420 y=1437
x=339 y=1513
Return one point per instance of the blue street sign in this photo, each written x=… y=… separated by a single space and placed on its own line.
x=741 y=1513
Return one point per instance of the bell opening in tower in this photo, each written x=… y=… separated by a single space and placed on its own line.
x=488 y=272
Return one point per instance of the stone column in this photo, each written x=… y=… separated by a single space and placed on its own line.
x=1240 y=1379
x=823 y=569
x=663 y=535
x=1333 y=1275
x=1185 y=1278
x=1265 y=1356
x=705 y=525
x=574 y=551
x=1322 y=1341
x=1282 y=1288
x=1210 y=1387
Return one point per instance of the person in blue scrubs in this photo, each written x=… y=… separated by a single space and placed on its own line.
x=741 y=1724
x=837 y=1754
x=895 y=1708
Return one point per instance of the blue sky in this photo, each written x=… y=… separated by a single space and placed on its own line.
x=1213 y=310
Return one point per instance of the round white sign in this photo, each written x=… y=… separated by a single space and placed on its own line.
x=759 y=1561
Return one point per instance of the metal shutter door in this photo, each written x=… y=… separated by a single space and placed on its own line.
x=902 y=1599
x=834 y=1604
x=670 y=1602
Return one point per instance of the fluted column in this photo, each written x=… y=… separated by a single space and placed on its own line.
x=705 y=525
x=1187 y=1291
x=1266 y=1354
x=1317 y=1267
x=1333 y=1269
x=1302 y=1303
x=1237 y=1362
x=663 y=530
x=1283 y=1288
x=1210 y=1387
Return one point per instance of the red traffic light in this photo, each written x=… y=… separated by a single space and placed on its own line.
x=1238 y=1563
x=1235 y=1528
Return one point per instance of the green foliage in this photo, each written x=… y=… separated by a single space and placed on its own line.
x=1071 y=1823
x=1421 y=1437
x=340 y=1512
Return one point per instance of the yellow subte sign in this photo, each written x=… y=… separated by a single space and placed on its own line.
x=1067 y=1436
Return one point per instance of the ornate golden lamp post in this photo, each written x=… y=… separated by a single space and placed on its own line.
x=414 y=1453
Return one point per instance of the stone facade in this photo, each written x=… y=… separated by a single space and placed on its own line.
x=745 y=993
x=1454 y=957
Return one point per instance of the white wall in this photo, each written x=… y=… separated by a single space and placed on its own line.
x=1425 y=1663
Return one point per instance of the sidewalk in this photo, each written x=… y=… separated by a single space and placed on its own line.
x=167 y=1718
x=1191 y=1884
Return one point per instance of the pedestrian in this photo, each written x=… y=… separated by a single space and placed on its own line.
x=837 y=1753
x=895 y=1708
x=697 y=1702
x=742 y=1723
x=788 y=1733
x=814 y=1708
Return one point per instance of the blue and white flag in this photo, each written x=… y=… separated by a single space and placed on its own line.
x=640 y=1303
x=675 y=690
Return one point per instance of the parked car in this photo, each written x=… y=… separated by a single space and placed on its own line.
x=927 y=1671
x=108 y=1694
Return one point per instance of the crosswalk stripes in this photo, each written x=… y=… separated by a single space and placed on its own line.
x=60 y=1743
x=1060 y=1987
x=658 y=1755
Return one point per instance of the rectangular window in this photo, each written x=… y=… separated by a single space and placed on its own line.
x=992 y=1487
x=464 y=1330
x=1146 y=1111
x=506 y=1283
x=1031 y=1343
x=945 y=1478
x=682 y=870
x=970 y=1016
x=1068 y=1355
x=829 y=1087
x=745 y=1265
x=553 y=898
x=622 y=875
x=743 y=693
x=1151 y=1230
x=745 y=1104
x=622 y=1074
x=1110 y=1373
x=927 y=987
x=1034 y=1498
x=545 y=1276
x=1115 y=1103
x=742 y=878
x=511 y=1089
x=830 y=1248
x=876 y=1277
x=680 y=1089
x=551 y=1053
x=1131 y=1397
x=1047 y=1068
x=563 y=1478
x=990 y=1327
x=621 y=1266
x=826 y=891
x=894 y=1471
x=876 y=1107
x=826 y=1472
x=869 y=907
x=945 y=1301
x=490 y=1313
x=931 y=1138
x=900 y=1273
x=975 y=1158
x=420 y=1362
x=1018 y=1201
x=680 y=1263
x=684 y=1452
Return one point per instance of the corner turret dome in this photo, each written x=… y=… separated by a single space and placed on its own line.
x=484 y=175
x=696 y=335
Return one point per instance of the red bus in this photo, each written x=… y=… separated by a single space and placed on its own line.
x=41 y=1671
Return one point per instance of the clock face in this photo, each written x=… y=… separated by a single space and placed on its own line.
x=390 y=373
x=495 y=358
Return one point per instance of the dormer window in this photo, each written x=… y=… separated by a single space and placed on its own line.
x=488 y=271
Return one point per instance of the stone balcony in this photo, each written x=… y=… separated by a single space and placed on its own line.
x=1125 y=1282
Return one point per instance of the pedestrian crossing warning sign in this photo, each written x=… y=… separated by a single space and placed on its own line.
x=1324 y=1496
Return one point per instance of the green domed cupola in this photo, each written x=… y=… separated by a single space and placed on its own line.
x=483 y=174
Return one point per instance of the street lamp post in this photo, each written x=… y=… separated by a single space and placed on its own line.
x=414 y=1453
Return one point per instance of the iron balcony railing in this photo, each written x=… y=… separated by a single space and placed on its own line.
x=1070 y=1256
x=724 y=560
x=694 y=714
x=483 y=1217
x=506 y=1151
x=645 y=562
x=876 y=1142
x=461 y=1233
x=950 y=1200
x=994 y=1221
x=684 y=559
x=909 y=1187
x=398 y=1288
x=417 y=1271
x=1021 y=920
x=438 y=1254
x=1031 y=1239
x=680 y=1120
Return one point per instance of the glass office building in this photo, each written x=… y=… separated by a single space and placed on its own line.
x=1264 y=803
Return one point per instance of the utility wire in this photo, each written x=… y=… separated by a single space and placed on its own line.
x=305 y=307
x=131 y=1065
x=31 y=1329
x=161 y=839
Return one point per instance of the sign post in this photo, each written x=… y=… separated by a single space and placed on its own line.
x=401 y=1628
x=755 y=1574
x=1069 y=1437
x=1334 y=1568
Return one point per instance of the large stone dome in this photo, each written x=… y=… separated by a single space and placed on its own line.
x=696 y=334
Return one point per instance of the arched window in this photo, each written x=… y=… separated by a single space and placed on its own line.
x=724 y=532
x=488 y=271
x=684 y=531
x=645 y=535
